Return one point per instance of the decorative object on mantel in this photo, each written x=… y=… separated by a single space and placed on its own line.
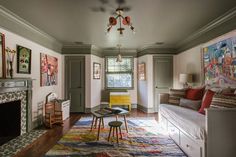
x=121 y=20
x=219 y=61
x=141 y=71
x=48 y=70
x=23 y=60
x=96 y=70
x=185 y=79
x=10 y=60
x=2 y=56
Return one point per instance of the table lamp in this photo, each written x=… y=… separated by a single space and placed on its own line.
x=185 y=79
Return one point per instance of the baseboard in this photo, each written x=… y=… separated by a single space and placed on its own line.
x=145 y=109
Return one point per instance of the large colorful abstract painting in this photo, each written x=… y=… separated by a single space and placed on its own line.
x=220 y=63
x=49 y=70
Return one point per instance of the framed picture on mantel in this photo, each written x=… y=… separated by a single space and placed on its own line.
x=23 y=60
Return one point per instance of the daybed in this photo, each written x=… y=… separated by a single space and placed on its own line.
x=199 y=135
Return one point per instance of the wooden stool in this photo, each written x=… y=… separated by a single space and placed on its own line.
x=115 y=125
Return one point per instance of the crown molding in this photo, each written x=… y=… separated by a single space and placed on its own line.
x=18 y=25
x=123 y=52
x=77 y=49
x=217 y=27
x=156 y=51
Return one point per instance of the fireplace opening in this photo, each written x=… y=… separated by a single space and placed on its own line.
x=10 y=121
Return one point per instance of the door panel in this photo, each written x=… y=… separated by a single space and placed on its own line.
x=163 y=77
x=75 y=82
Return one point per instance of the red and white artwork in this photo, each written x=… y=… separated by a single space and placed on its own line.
x=49 y=70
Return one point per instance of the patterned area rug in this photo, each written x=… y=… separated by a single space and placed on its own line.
x=12 y=147
x=145 y=138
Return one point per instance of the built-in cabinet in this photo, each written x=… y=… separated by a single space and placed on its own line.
x=183 y=140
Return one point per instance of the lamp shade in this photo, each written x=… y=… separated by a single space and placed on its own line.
x=184 y=78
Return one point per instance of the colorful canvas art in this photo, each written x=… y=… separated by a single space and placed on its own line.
x=49 y=70
x=220 y=63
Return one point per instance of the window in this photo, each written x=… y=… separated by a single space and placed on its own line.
x=119 y=74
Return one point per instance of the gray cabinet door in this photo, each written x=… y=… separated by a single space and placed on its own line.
x=163 y=77
x=75 y=82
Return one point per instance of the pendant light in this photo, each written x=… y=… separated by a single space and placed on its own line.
x=119 y=57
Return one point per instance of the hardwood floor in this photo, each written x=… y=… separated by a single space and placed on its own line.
x=49 y=139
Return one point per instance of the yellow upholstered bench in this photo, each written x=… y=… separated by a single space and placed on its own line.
x=120 y=98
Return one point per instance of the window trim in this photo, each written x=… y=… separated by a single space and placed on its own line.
x=132 y=74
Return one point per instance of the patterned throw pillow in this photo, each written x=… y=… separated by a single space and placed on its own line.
x=191 y=104
x=175 y=95
x=222 y=101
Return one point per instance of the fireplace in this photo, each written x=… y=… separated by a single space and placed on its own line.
x=15 y=108
x=10 y=120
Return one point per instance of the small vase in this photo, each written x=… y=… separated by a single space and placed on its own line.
x=11 y=70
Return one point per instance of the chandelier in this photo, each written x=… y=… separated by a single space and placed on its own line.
x=126 y=21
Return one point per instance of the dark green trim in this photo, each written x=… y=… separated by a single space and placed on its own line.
x=82 y=49
x=16 y=24
x=156 y=51
x=216 y=28
x=145 y=109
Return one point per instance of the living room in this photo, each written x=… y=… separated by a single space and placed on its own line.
x=80 y=51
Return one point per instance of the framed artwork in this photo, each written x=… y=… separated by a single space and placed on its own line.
x=96 y=71
x=219 y=63
x=2 y=56
x=48 y=70
x=141 y=71
x=23 y=60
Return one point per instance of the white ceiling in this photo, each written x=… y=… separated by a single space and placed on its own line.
x=168 y=21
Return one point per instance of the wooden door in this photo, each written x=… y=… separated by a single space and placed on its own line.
x=163 y=77
x=75 y=82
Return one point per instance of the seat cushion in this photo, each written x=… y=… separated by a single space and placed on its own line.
x=187 y=120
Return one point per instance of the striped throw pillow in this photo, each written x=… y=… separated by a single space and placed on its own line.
x=222 y=101
x=175 y=95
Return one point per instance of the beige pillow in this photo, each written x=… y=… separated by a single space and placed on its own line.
x=191 y=104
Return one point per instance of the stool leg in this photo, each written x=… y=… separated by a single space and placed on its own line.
x=126 y=125
x=109 y=134
x=117 y=135
x=113 y=131
x=120 y=133
x=92 y=124
x=102 y=123
x=116 y=117
x=96 y=120
x=99 y=125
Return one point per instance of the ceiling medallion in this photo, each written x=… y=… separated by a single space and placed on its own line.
x=121 y=20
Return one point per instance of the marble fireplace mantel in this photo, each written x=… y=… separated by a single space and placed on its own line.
x=19 y=89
